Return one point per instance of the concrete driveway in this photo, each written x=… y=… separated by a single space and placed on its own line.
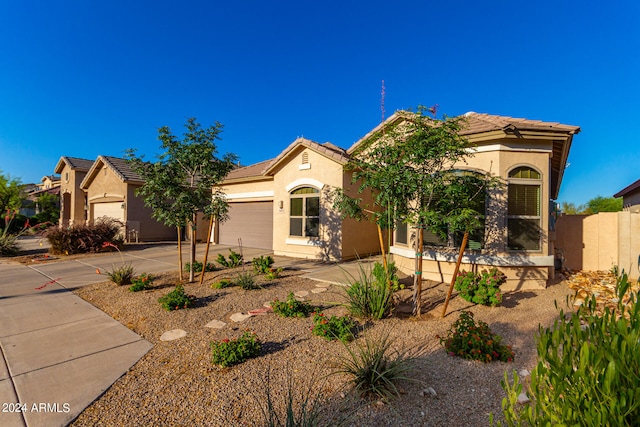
x=60 y=353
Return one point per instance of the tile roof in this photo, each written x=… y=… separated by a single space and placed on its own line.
x=327 y=149
x=254 y=170
x=75 y=163
x=478 y=123
x=121 y=168
x=628 y=189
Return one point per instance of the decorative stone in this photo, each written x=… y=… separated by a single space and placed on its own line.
x=215 y=324
x=523 y=398
x=524 y=373
x=260 y=311
x=239 y=317
x=301 y=294
x=428 y=392
x=318 y=290
x=173 y=334
x=323 y=284
x=267 y=304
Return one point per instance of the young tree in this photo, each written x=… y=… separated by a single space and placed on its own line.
x=405 y=169
x=11 y=193
x=180 y=184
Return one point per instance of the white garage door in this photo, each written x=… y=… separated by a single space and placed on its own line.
x=113 y=210
x=252 y=222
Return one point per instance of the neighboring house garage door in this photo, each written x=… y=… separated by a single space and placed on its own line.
x=252 y=222
x=113 y=210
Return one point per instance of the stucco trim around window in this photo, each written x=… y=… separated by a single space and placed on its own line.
x=303 y=241
x=250 y=195
x=303 y=182
x=496 y=260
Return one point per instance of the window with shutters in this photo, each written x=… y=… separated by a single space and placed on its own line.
x=523 y=209
x=304 y=212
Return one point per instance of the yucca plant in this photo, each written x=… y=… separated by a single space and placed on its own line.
x=375 y=367
x=369 y=296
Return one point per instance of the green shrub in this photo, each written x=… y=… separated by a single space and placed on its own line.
x=374 y=366
x=588 y=368
x=483 y=288
x=222 y=283
x=390 y=276
x=333 y=328
x=273 y=273
x=176 y=299
x=235 y=260
x=197 y=267
x=232 y=352
x=291 y=307
x=368 y=296
x=475 y=341
x=263 y=264
x=247 y=281
x=84 y=238
x=122 y=275
x=141 y=283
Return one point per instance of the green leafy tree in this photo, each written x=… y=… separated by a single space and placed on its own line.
x=11 y=193
x=604 y=204
x=408 y=169
x=48 y=208
x=180 y=184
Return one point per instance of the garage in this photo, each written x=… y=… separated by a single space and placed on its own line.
x=250 y=221
x=113 y=210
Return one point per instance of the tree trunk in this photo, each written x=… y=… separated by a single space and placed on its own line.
x=417 y=278
x=180 y=253
x=192 y=252
x=384 y=255
x=465 y=239
x=206 y=251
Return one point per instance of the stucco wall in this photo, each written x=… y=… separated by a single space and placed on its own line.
x=321 y=173
x=140 y=218
x=75 y=210
x=600 y=242
x=530 y=269
x=105 y=187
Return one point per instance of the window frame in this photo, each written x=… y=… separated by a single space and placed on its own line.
x=535 y=182
x=304 y=216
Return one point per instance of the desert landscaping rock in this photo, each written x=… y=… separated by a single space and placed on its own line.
x=239 y=317
x=153 y=392
x=173 y=334
x=267 y=304
x=301 y=294
x=323 y=284
x=215 y=324
x=260 y=311
x=318 y=290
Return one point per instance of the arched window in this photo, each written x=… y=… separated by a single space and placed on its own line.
x=523 y=209
x=304 y=213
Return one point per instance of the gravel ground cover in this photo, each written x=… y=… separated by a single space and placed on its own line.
x=176 y=383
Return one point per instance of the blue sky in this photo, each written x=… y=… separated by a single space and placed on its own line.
x=85 y=78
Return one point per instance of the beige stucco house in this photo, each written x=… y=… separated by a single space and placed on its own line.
x=72 y=171
x=109 y=187
x=282 y=204
x=529 y=157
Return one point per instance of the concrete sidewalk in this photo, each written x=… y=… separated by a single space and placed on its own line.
x=60 y=353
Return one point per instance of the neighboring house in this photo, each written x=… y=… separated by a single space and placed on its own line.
x=73 y=201
x=110 y=186
x=282 y=204
x=630 y=197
